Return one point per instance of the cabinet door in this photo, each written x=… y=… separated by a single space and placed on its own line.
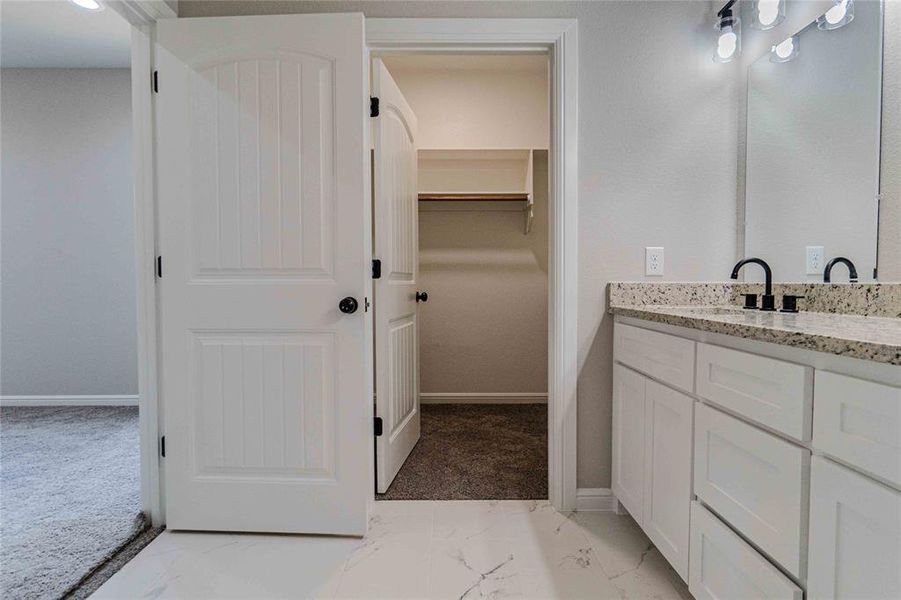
x=855 y=535
x=667 y=479
x=628 y=439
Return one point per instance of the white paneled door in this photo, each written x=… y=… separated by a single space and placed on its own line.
x=397 y=247
x=264 y=215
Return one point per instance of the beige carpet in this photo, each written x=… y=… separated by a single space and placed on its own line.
x=476 y=452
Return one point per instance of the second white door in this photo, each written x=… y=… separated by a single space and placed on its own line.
x=397 y=247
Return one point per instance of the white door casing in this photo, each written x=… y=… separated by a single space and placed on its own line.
x=397 y=246
x=263 y=197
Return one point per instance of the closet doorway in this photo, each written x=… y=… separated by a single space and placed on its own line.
x=460 y=214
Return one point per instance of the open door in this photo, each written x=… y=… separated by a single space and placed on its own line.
x=262 y=166
x=397 y=246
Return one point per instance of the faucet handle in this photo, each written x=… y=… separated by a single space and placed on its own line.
x=750 y=301
x=790 y=303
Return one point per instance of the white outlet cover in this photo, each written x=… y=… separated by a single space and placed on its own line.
x=815 y=260
x=653 y=260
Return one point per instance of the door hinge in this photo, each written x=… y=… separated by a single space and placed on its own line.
x=163 y=446
x=376 y=268
x=159 y=267
x=377 y=426
x=366 y=304
x=155 y=82
x=373 y=106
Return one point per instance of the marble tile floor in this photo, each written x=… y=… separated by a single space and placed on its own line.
x=414 y=549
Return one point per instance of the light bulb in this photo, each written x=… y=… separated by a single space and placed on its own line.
x=767 y=11
x=726 y=45
x=841 y=13
x=785 y=50
x=87 y=4
x=836 y=13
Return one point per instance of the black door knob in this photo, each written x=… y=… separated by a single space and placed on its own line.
x=348 y=305
x=422 y=296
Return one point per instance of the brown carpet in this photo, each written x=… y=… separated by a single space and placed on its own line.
x=476 y=452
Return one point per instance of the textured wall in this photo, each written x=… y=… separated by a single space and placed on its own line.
x=657 y=152
x=484 y=328
x=499 y=107
x=890 y=187
x=68 y=293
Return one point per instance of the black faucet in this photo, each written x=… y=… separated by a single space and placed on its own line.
x=768 y=301
x=827 y=272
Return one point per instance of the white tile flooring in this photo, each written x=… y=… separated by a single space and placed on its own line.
x=451 y=549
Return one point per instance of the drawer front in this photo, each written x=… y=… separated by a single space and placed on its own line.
x=772 y=392
x=724 y=566
x=859 y=422
x=755 y=481
x=665 y=357
x=855 y=535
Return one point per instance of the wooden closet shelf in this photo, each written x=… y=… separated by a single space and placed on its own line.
x=474 y=196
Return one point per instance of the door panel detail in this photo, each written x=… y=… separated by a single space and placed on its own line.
x=263 y=153
x=265 y=401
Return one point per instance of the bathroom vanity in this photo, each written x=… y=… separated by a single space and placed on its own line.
x=761 y=452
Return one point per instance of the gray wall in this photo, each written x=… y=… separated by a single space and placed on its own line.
x=657 y=157
x=890 y=174
x=68 y=285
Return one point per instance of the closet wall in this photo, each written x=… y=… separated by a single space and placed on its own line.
x=484 y=329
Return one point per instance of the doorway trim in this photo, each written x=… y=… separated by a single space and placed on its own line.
x=143 y=15
x=559 y=38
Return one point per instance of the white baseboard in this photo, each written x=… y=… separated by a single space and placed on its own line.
x=128 y=400
x=595 y=500
x=486 y=398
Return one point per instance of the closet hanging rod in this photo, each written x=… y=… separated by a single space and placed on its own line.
x=473 y=196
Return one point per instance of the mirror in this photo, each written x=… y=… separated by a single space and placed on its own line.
x=813 y=148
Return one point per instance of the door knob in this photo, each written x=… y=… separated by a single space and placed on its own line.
x=348 y=305
x=422 y=296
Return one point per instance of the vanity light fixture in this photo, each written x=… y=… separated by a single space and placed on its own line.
x=87 y=4
x=786 y=50
x=728 y=34
x=769 y=13
x=838 y=16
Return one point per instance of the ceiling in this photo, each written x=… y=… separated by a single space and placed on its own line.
x=58 y=34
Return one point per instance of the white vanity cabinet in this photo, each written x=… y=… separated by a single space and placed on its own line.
x=855 y=535
x=652 y=453
x=768 y=472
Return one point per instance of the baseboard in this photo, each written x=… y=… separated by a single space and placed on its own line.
x=594 y=500
x=128 y=400
x=486 y=398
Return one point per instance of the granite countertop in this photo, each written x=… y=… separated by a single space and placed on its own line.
x=866 y=337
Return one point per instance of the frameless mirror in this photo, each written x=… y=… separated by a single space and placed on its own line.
x=813 y=147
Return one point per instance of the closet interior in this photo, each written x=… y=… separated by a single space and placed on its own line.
x=482 y=195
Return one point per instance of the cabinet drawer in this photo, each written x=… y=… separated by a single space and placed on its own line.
x=665 y=357
x=859 y=422
x=755 y=481
x=855 y=535
x=772 y=392
x=724 y=566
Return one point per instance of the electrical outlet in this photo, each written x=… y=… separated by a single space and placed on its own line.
x=815 y=261
x=653 y=260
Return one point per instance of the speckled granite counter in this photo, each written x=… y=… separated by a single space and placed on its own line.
x=874 y=338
